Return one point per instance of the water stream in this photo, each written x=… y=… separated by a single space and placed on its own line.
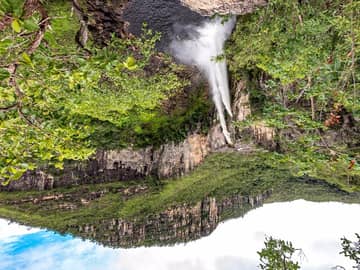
x=203 y=46
x=192 y=39
x=316 y=228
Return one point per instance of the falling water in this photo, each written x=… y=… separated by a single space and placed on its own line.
x=202 y=46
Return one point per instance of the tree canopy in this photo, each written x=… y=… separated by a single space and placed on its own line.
x=302 y=61
x=55 y=96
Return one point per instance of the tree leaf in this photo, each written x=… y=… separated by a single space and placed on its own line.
x=27 y=59
x=131 y=68
x=130 y=63
x=4 y=74
x=30 y=25
x=15 y=25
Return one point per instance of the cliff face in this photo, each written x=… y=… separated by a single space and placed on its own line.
x=102 y=18
x=261 y=133
x=181 y=223
x=169 y=160
x=238 y=7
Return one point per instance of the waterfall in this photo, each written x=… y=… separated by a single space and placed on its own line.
x=201 y=46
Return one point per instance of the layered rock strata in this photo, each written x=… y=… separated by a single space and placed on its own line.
x=181 y=223
x=169 y=160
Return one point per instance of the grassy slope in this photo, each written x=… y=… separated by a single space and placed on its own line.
x=221 y=175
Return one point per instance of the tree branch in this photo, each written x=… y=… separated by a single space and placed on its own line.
x=29 y=8
x=44 y=24
x=9 y=108
x=82 y=35
x=12 y=68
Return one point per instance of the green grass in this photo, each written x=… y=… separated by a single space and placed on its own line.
x=222 y=175
x=43 y=215
x=295 y=189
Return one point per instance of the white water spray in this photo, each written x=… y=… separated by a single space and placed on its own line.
x=201 y=48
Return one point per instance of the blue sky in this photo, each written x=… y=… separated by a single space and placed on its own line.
x=42 y=250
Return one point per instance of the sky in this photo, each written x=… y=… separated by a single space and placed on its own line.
x=316 y=228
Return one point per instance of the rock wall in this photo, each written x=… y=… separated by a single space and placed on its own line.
x=103 y=18
x=264 y=135
x=261 y=134
x=177 y=224
x=241 y=104
x=211 y=7
x=169 y=160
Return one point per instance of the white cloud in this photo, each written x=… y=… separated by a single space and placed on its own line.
x=8 y=230
x=314 y=227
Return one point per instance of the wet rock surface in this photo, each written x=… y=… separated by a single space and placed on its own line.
x=124 y=17
x=161 y=16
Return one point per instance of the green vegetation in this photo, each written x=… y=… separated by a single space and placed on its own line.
x=58 y=103
x=279 y=254
x=301 y=61
x=351 y=249
x=61 y=103
x=222 y=176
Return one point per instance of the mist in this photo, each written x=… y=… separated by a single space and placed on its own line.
x=203 y=46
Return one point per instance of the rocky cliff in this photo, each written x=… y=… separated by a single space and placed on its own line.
x=260 y=133
x=169 y=160
x=181 y=223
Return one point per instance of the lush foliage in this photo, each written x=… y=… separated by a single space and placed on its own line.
x=54 y=98
x=278 y=255
x=351 y=249
x=302 y=58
